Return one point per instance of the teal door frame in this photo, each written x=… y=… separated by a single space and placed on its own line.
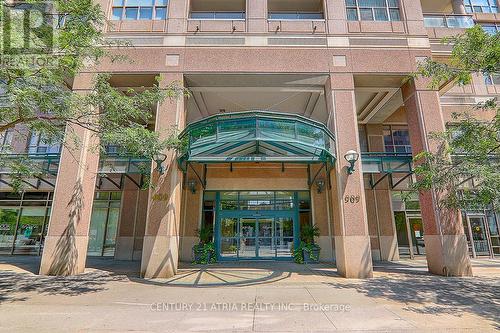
x=254 y=214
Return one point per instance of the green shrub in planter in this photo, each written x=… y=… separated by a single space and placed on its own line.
x=308 y=251
x=204 y=251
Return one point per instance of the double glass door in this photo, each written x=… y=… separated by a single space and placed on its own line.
x=252 y=237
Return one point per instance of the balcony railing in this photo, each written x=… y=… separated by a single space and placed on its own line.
x=380 y=162
x=217 y=15
x=448 y=21
x=258 y=136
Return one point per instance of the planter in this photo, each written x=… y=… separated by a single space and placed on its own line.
x=203 y=254
x=312 y=256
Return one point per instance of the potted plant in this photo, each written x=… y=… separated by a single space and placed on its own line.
x=308 y=251
x=204 y=251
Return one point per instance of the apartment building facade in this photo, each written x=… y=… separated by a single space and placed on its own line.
x=300 y=113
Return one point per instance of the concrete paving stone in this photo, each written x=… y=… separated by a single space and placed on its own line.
x=110 y=297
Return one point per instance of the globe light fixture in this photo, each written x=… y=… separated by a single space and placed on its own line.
x=352 y=157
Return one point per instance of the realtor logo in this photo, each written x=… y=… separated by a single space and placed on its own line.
x=27 y=27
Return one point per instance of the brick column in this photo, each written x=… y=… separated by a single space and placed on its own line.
x=257 y=16
x=352 y=242
x=382 y=199
x=65 y=247
x=160 y=254
x=445 y=242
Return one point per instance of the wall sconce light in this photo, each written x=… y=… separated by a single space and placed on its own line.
x=191 y=184
x=351 y=156
x=159 y=159
x=320 y=184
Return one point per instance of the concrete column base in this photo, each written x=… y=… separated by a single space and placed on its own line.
x=160 y=256
x=326 y=253
x=187 y=244
x=124 y=248
x=447 y=255
x=353 y=256
x=64 y=255
x=389 y=248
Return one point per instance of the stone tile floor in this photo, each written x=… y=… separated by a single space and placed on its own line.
x=248 y=297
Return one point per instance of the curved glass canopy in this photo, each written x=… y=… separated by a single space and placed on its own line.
x=258 y=136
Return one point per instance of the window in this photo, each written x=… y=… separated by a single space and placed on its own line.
x=373 y=10
x=397 y=139
x=41 y=145
x=6 y=140
x=491 y=80
x=481 y=6
x=491 y=28
x=296 y=16
x=104 y=224
x=24 y=219
x=139 y=10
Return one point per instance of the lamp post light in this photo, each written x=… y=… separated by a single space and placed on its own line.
x=352 y=157
x=159 y=159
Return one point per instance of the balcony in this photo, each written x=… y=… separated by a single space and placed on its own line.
x=379 y=165
x=257 y=136
x=441 y=25
x=217 y=16
x=296 y=16
x=112 y=167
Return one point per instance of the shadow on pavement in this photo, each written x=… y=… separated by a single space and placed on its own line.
x=424 y=293
x=23 y=278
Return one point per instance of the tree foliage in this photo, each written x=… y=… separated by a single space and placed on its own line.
x=36 y=88
x=465 y=169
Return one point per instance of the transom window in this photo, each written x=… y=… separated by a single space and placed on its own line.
x=139 y=9
x=373 y=10
x=397 y=139
x=481 y=6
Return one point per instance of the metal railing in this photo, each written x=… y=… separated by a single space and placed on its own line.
x=381 y=162
x=448 y=21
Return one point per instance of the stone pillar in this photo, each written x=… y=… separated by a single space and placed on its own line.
x=65 y=247
x=160 y=253
x=336 y=16
x=458 y=7
x=445 y=241
x=257 y=16
x=352 y=242
x=128 y=230
x=177 y=16
x=384 y=216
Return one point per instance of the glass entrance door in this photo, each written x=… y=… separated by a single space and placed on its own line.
x=479 y=235
x=256 y=237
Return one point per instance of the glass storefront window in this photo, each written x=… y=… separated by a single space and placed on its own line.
x=8 y=221
x=104 y=224
x=29 y=230
x=24 y=219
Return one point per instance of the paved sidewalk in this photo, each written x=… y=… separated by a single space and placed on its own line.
x=248 y=297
